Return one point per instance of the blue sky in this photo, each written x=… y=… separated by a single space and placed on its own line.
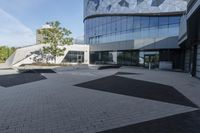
x=19 y=19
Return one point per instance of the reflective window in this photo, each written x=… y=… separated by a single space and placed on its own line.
x=174 y=20
x=144 y=22
x=153 y=21
x=123 y=23
x=130 y=23
x=74 y=57
x=136 y=22
x=163 y=21
x=120 y=28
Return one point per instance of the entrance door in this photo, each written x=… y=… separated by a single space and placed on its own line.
x=79 y=59
x=151 y=61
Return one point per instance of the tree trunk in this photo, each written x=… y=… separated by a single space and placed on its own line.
x=55 y=59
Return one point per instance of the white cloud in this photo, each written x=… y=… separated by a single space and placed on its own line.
x=13 y=32
x=19 y=5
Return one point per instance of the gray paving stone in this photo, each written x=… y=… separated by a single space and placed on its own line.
x=56 y=105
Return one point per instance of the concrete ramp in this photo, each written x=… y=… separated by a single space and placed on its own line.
x=5 y=66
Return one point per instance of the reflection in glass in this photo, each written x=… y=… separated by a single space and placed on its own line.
x=107 y=29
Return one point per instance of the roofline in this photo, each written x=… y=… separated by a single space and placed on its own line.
x=137 y=14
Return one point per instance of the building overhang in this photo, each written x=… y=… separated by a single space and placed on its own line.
x=137 y=14
x=102 y=7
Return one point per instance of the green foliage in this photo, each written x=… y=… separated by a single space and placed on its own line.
x=55 y=36
x=5 y=52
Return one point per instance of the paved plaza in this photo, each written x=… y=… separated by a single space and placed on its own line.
x=124 y=100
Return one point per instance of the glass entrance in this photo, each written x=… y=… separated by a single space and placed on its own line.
x=79 y=58
x=151 y=61
x=74 y=57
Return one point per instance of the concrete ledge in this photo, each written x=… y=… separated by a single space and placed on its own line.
x=101 y=67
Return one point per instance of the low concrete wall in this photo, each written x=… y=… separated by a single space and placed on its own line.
x=165 y=65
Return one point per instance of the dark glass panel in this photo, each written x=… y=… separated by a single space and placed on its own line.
x=136 y=22
x=130 y=23
x=128 y=58
x=174 y=20
x=163 y=21
x=124 y=23
x=113 y=26
x=74 y=57
x=118 y=26
x=108 y=28
x=154 y=21
x=144 y=22
x=129 y=27
x=108 y=19
x=100 y=30
x=104 y=29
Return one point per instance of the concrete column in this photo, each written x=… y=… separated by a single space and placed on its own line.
x=114 y=54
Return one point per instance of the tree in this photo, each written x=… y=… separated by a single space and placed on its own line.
x=56 y=37
x=5 y=53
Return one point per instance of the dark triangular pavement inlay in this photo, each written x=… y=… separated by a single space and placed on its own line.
x=39 y=71
x=138 y=88
x=108 y=67
x=181 y=123
x=18 y=79
x=126 y=73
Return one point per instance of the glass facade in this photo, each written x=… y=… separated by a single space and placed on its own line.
x=104 y=57
x=128 y=58
x=107 y=29
x=74 y=57
x=138 y=58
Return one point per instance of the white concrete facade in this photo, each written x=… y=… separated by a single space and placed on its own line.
x=29 y=54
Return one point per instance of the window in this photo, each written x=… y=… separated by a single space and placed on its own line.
x=163 y=21
x=124 y=23
x=100 y=30
x=163 y=31
x=113 y=27
x=74 y=57
x=104 y=29
x=118 y=28
x=103 y=20
x=136 y=22
x=108 y=28
x=174 y=20
x=153 y=22
x=144 y=32
x=174 y=29
x=129 y=23
x=144 y=22
x=113 y=19
x=108 y=19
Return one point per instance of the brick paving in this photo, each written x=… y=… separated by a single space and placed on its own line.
x=55 y=105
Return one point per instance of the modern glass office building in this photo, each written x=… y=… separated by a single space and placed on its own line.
x=110 y=29
x=134 y=32
x=189 y=38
